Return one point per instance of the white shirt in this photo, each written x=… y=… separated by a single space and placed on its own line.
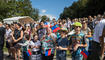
x=68 y=24
x=37 y=43
x=98 y=30
x=8 y=33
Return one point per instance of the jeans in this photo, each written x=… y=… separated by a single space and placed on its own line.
x=60 y=57
x=77 y=57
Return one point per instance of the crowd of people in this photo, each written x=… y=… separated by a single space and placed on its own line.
x=42 y=42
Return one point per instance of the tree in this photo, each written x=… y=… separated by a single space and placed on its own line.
x=44 y=18
x=83 y=8
x=12 y=8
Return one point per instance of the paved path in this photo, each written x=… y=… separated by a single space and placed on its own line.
x=6 y=58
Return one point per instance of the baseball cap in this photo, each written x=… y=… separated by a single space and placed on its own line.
x=77 y=24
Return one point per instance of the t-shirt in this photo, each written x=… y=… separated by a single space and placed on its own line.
x=8 y=33
x=63 y=42
x=77 y=39
x=41 y=32
x=86 y=31
x=37 y=43
x=48 y=43
x=98 y=30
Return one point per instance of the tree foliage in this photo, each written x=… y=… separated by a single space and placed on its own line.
x=83 y=8
x=12 y=8
x=44 y=18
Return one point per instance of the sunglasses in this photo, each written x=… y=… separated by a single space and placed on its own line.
x=78 y=26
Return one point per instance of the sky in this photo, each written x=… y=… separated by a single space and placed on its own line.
x=51 y=8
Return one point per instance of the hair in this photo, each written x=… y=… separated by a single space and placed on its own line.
x=27 y=36
x=35 y=35
x=14 y=22
x=19 y=24
x=8 y=25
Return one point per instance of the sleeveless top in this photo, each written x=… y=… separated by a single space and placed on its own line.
x=17 y=34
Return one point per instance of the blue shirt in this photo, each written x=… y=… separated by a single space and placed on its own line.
x=63 y=42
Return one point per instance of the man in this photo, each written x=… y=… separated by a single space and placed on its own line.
x=41 y=31
x=96 y=21
x=90 y=22
x=97 y=43
x=77 y=42
x=102 y=35
x=2 y=33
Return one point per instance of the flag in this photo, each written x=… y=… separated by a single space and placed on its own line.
x=55 y=28
x=48 y=52
x=84 y=53
x=46 y=24
x=90 y=38
x=28 y=52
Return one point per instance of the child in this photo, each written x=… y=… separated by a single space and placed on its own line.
x=35 y=45
x=25 y=46
x=77 y=41
x=61 y=45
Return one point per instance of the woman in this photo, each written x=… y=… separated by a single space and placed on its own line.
x=28 y=29
x=17 y=36
x=48 y=44
x=87 y=33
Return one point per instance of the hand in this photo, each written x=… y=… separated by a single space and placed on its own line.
x=60 y=48
x=14 y=40
x=44 y=36
x=76 y=47
x=57 y=47
x=35 y=47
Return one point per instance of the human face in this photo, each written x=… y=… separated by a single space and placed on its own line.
x=77 y=28
x=42 y=24
x=17 y=26
x=84 y=24
x=7 y=27
x=35 y=38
